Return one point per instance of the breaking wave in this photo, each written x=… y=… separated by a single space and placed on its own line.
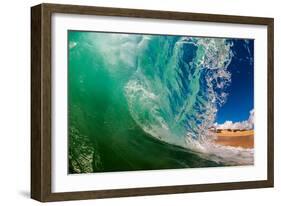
x=173 y=86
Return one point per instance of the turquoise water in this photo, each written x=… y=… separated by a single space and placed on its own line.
x=142 y=102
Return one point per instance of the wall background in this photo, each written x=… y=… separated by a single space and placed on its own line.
x=15 y=102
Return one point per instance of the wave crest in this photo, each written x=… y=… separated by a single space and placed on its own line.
x=174 y=93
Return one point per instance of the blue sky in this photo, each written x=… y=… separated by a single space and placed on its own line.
x=241 y=90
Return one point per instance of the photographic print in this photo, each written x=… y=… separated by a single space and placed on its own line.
x=131 y=102
x=150 y=102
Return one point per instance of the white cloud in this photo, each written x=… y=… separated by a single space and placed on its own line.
x=244 y=125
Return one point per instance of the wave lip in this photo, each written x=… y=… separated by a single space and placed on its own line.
x=174 y=94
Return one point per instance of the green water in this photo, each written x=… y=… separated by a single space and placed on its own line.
x=105 y=132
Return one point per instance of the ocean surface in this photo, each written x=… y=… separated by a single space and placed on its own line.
x=143 y=102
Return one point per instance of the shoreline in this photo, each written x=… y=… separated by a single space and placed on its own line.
x=244 y=139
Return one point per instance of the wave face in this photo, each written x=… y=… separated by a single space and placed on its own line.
x=172 y=85
x=174 y=93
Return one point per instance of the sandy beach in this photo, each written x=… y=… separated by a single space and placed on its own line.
x=244 y=139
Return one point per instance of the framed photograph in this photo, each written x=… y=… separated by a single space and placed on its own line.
x=130 y=102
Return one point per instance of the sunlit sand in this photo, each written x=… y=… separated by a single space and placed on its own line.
x=244 y=139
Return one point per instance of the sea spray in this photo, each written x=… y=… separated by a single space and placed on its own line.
x=174 y=94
